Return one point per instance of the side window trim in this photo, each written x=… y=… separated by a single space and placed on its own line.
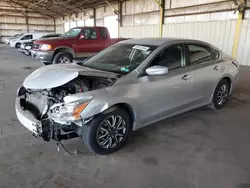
x=197 y=44
x=142 y=73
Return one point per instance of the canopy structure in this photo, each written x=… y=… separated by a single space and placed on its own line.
x=57 y=8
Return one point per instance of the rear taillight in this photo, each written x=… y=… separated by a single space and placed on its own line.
x=235 y=64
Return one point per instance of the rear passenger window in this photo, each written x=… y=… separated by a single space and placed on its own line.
x=27 y=37
x=198 y=54
x=103 y=33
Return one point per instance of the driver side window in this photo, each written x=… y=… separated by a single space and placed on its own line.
x=27 y=37
x=172 y=57
x=89 y=33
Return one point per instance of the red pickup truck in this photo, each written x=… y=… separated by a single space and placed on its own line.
x=79 y=42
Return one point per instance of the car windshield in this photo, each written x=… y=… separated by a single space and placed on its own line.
x=72 y=33
x=18 y=35
x=121 y=58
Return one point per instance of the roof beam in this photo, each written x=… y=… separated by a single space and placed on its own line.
x=32 y=5
x=14 y=6
x=62 y=6
x=38 y=11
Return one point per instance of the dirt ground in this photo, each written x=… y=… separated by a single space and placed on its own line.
x=199 y=149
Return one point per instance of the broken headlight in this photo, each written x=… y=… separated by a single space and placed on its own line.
x=67 y=112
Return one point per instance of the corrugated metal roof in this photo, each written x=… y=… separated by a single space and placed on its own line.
x=57 y=8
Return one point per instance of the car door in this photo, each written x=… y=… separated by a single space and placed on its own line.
x=167 y=94
x=105 y=40
x=27 y=38
x=88 y=45
x=206 y=70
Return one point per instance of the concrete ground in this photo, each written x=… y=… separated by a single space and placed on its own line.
x=199 y=149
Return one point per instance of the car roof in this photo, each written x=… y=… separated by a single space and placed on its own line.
x=82 y=27
x=33 y=33
x=160 y=41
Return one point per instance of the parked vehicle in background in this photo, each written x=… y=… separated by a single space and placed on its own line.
x=79 y=42
x=26 y=37
x=25 y=47
x=7 y=40
x=126 y=87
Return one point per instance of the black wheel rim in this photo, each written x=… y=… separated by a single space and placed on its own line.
x=222 y=94
x=63 y=59
x=111 y=132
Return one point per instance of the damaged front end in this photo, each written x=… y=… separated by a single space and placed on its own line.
x=45 y=113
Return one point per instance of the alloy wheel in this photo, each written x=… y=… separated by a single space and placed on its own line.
x=111 y=131
x=222 y=94
x=63 y=59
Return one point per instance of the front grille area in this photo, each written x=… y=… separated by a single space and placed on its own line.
x=36 y=46
x=36 y=103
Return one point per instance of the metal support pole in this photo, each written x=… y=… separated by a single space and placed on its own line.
x=161 y=4
x=119 y=18
x=27 y=22
x=238 y=28
x=54 y=25
x=94 y=15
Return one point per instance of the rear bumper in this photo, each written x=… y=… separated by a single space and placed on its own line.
x=42 y=56
x=234 y=80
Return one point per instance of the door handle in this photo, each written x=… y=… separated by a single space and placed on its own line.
x=186 y=77
x=216 y=68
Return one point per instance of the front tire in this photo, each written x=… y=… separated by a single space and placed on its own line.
x=18 y=45
x=221 y=94
x=62 y=58
x=107 y=132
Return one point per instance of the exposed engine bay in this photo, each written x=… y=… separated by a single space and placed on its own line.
x=45 y=105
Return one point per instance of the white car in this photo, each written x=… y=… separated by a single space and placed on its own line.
x=7 y=40
x=26 y=37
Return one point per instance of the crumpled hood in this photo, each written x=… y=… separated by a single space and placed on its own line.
x=52 y=76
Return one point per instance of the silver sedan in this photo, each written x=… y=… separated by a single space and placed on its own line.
x=123 y=88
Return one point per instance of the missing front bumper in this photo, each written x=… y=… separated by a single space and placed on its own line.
x=27 y=119
x=46 y=129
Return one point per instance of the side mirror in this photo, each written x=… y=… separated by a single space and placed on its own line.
x=157 y=70
x=82 y=36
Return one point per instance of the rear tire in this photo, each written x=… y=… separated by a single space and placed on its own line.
x=62 y=58
x=221 y=94
x=102 y=138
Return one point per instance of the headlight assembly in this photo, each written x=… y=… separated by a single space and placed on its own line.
x=45 y=47
x=67 y=112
